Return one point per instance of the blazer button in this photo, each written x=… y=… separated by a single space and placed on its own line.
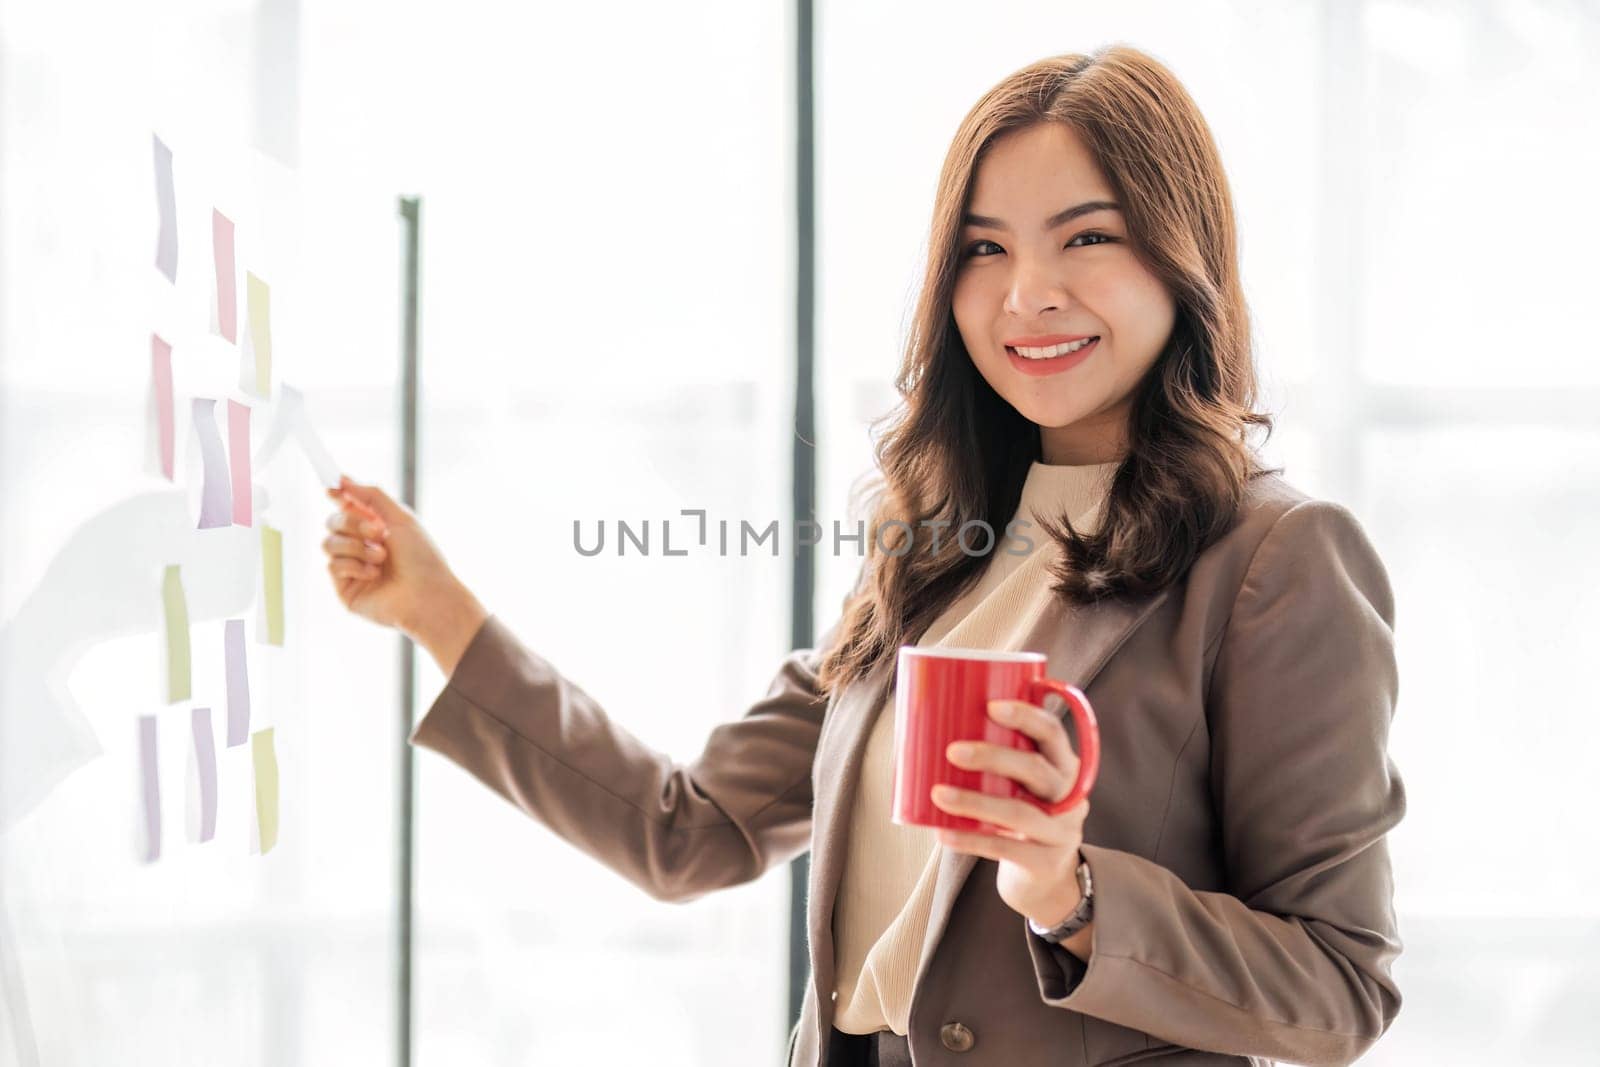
x=834 y=995
x=956 y=1038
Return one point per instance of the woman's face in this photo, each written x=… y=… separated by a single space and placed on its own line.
x=1029 y=277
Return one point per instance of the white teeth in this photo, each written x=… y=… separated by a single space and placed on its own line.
x=1052 y=351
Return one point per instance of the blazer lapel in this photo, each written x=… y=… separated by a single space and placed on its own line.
x=1079 y=640
x=840 y=747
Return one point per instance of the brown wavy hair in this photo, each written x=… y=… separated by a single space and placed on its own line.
x=955 y=451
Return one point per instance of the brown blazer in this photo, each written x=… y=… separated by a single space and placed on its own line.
x=1236 y=835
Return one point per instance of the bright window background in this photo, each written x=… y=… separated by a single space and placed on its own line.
x=607 y=334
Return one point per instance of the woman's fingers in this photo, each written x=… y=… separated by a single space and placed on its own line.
x=1033 y=769
x=338 y=546
x=1045 y=728
x=1047 y=771
x=341 y=567
x=1008 y=813
x=374 y=498
x=346 y=588
x=352 y=524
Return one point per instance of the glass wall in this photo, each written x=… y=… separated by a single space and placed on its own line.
x=216 y=945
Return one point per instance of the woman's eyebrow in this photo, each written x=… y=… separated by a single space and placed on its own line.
x=1059 y=218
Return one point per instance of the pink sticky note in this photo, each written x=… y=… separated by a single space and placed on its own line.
x=227 y=288
x=161 y=381
x=239 y=460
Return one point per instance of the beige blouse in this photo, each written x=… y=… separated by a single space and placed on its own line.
x=880 y=919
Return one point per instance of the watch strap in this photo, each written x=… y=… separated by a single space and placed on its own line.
x=1081 y=915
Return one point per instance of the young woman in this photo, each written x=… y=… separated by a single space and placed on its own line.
x=1081 y=360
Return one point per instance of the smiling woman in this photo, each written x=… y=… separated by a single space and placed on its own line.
x=1080 y=359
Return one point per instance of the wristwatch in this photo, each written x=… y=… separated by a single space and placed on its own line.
x=1080 y=916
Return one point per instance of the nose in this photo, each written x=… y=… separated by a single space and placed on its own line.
x=1032 y=292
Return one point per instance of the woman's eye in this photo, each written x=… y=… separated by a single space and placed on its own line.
x=1093 y=238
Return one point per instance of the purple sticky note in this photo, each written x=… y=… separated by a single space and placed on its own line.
x=150 y=789
x=238 y=683
x=214 y=504
x=239 y=460
x=205 y=761
x=167 y=210
x=227 y=287
x=161 y=382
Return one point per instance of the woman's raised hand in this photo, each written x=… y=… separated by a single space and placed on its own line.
x=386 y=569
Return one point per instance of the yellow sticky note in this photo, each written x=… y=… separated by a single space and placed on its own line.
x=272 y=582
x=266 y=764
x=258 y=298
x=176 y=610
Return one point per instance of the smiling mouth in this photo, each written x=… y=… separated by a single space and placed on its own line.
x=1052 y=351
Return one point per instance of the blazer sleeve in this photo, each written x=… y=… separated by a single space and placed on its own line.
x=1294 y=962
x=511 y=719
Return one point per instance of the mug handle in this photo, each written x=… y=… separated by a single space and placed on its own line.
x=1088 y=740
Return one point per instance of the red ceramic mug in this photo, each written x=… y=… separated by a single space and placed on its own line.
x=942 y=695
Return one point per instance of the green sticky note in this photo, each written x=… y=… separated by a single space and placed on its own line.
x=266 y=764
x=257 y=303
x=272 y=582
x=176 y=609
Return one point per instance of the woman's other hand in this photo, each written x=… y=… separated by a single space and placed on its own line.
x=386 y=569
x=1038 y=853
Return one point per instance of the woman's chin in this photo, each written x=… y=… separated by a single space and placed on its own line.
x=1051 y=416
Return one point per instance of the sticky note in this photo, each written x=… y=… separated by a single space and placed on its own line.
x=238 y=682
x=289 y=419
x=161 y=385
x=215 y=507
x=149 y=791
x=266 y=767
x=255 y=360
x=239 y=460
x=321 y=461
x=203 y=756
x=166 y=211
x=272 y=582
x=227 y=302
x=175 y=609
